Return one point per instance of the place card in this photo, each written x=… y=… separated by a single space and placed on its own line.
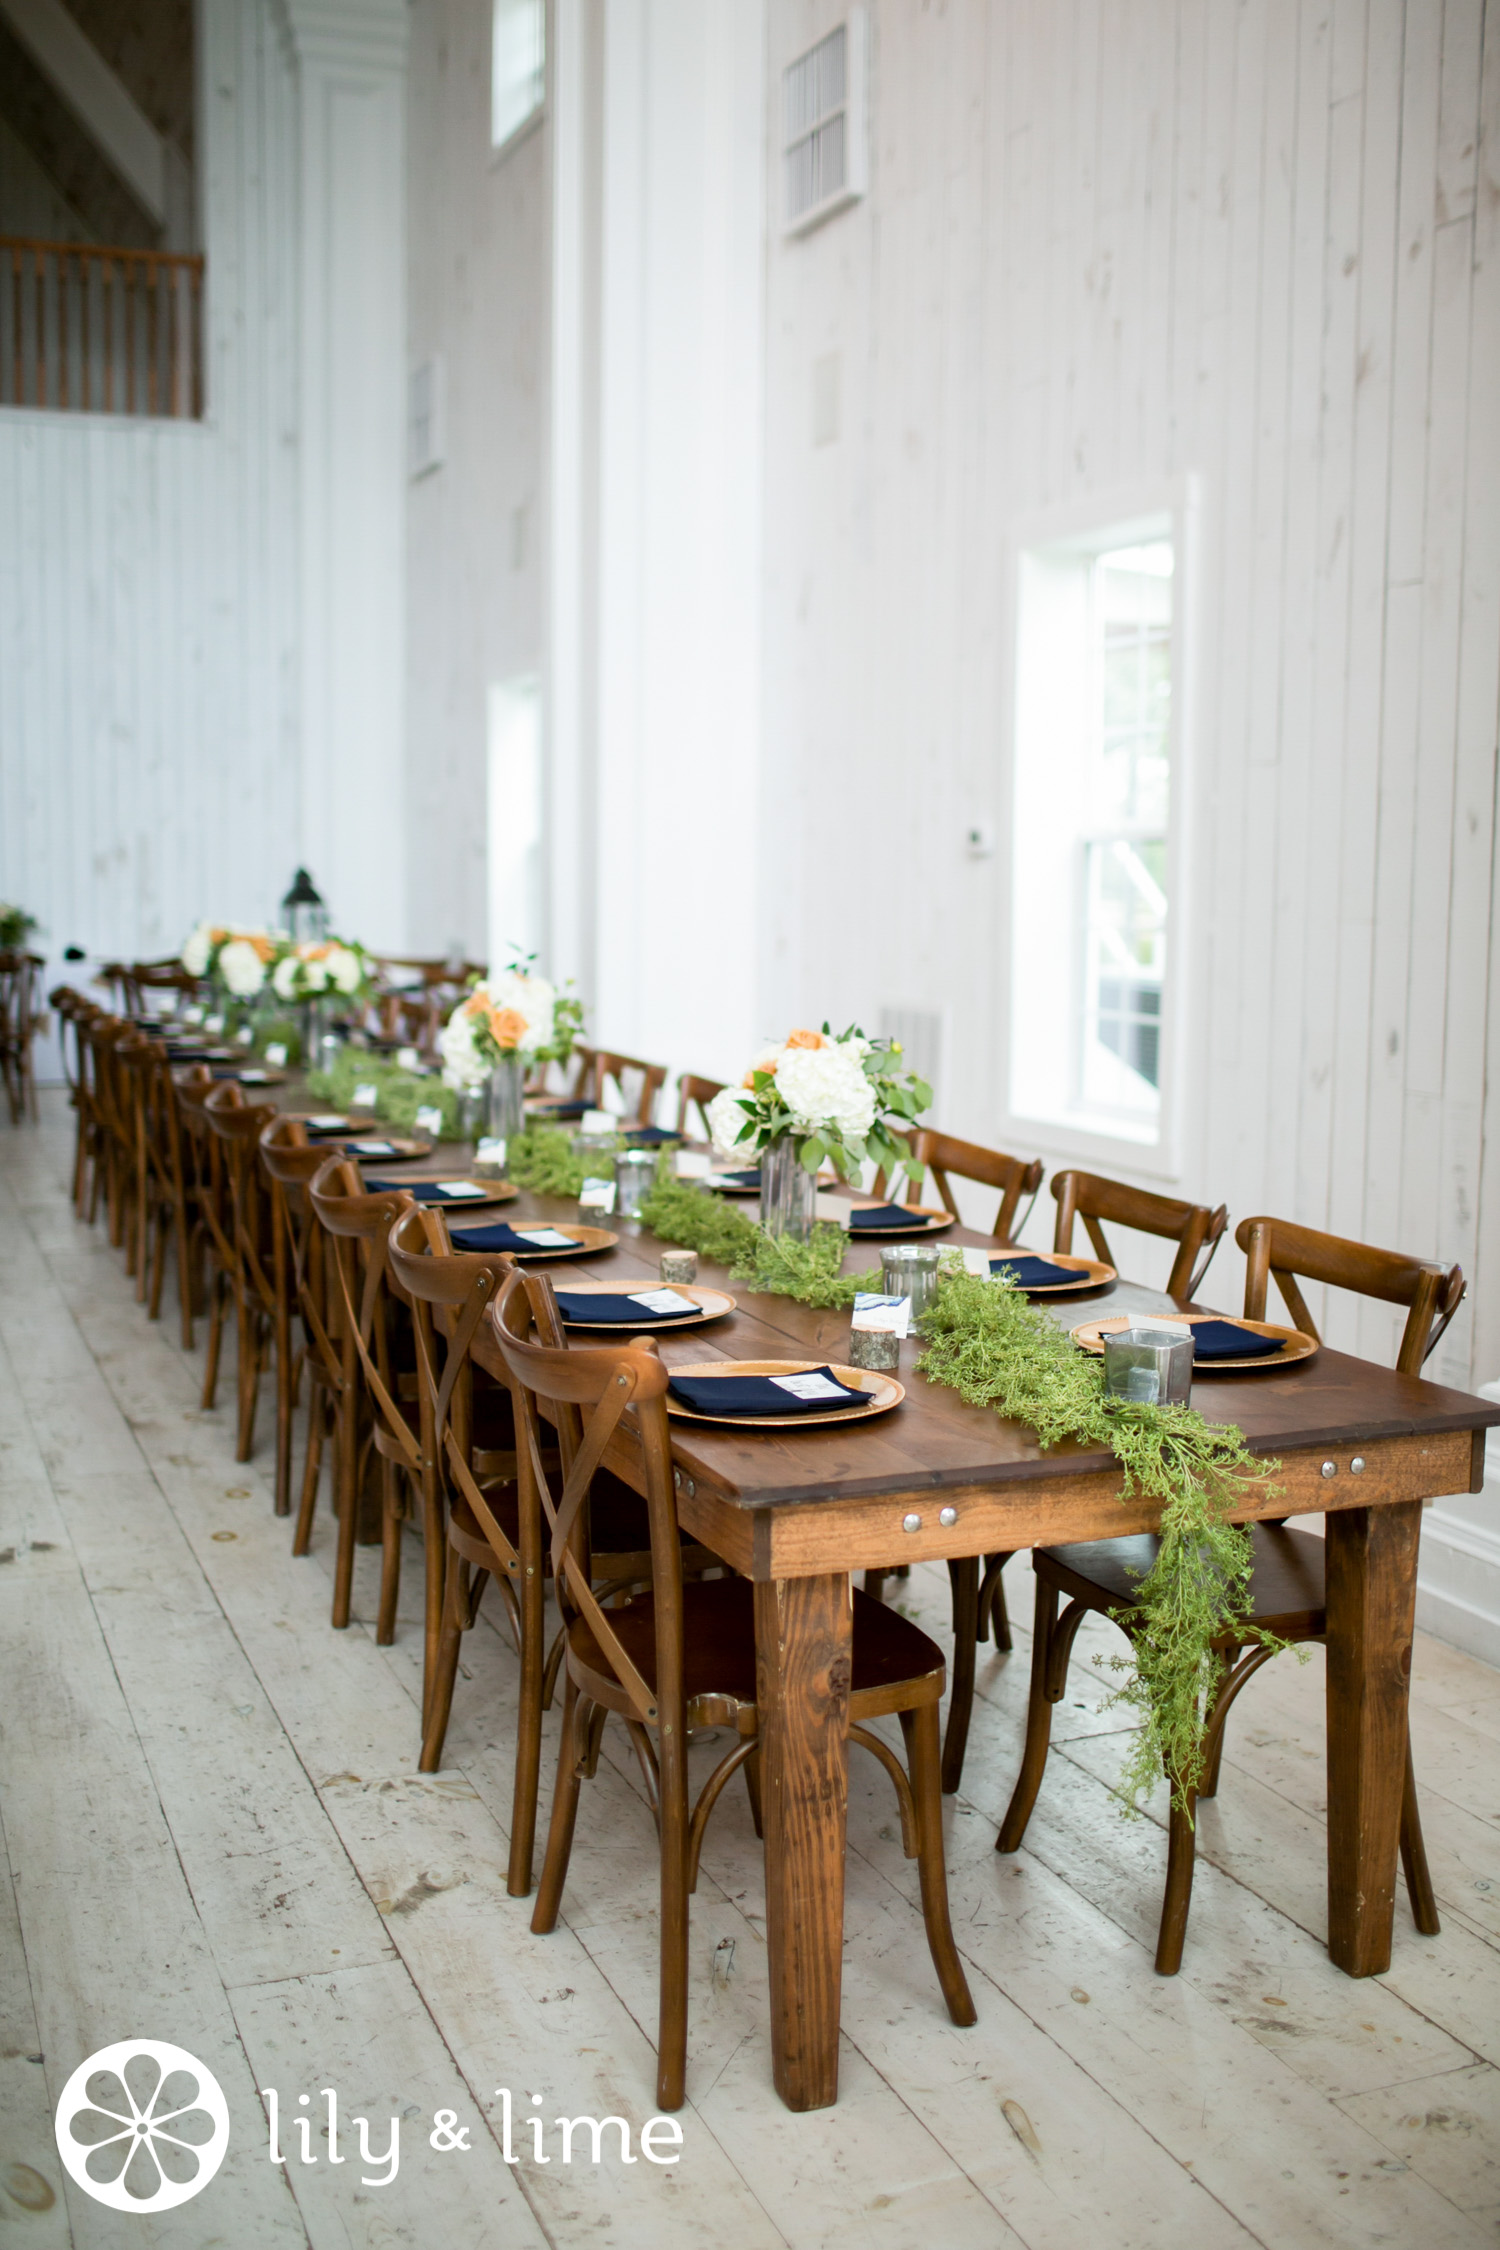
x=327 y=1124
x=662 y=1301
x=692 y=1164
x=409 y=1058
x=598 y=1121
x=977 y=1261
x=276 y=1055
x=215 y=1024
x=461 y=1191
x=244 y=1037
x=546 y=1238
x=810 y=1386
x=429 y=1119
x=597 y=1195
x=891 y=1314
x=833 y=1210
x=364 y=1097
x=489 y=1159
x=252 y=1077
x=192 y=1015
x=371 y=1148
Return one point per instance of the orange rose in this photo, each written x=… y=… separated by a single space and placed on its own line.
x=807 y=1039
x=476 y=1005
x=507 y=1027
x=264 y=946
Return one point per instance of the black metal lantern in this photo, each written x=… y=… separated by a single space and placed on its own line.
x=305 y=915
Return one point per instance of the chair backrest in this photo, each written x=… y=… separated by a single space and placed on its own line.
x=1192 y=1226
x=695 y=1093
x=1431 y=1292
x=942 y=1155
x=653 y=1076
x=602 y=1387
x=360 y=1226
x=290 y=1162
x=236 y=1127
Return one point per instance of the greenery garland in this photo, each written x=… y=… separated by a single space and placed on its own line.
x=399 y=1093
x=541 y=1158
x=988 y=1343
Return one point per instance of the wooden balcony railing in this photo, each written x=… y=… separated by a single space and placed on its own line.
x=100 y=331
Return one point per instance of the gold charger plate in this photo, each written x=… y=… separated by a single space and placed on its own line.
x=253 y=1075
x=924 y=1220
x=1091 y=1274
x=587 y=1241
x=715 y=1303
x=885 y=1392
x=1089 y=1337
x=402 y=1151
x=495 y=1191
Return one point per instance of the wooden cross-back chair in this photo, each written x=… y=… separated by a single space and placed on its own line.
x=1287 y=1593
x=696 y=1093
x=683 y=1656
x=298 y=1280
x=605 y=1068
x=70 y=1008
x=978 y=1600
x=159 y=1197
x=240 y=1247
x=1194 y=1228
x=108 y=1136
x=379 y=1393
x=21 y=1021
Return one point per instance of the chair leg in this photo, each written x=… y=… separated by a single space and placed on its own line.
x=533 y=1606
x=457 y=1607
x=390 y=1552
x=159 y=1261
x=1414 y=1858
x=1038 y=1724
x=285 y=1402
x=302 y=1537
x=874 y=1584
x=215 y=1340
x=993 y=1615
x=672 y=2015
x=752 y=1790
x=924 y=1762
x=185 y=1292
x=346 y=1488
x=247 y=1327
x=564 y=1814
x=963 y=1574
x=1179 y=1893
x=434 y=1551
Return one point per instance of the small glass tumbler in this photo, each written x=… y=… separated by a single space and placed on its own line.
x=635 y=1172
x=1150 y=1366
x=875 y=1348
x=679 y=1265
x=910 y=1269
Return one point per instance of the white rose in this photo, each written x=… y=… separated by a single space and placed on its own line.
x=315 y=975
x=463 y=1065
x=242 y=968
x=726 y=1120
x=195 y=954
x=284 y=977
x=345 y=967
x=826 y=1086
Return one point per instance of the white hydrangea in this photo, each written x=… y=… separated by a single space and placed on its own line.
x=726 y=1118
x=532 y=998
x=242 y=968
x=343 y=966
x=284 y=977
x=826 y=1086
x=198 y=951
x=464 y=1067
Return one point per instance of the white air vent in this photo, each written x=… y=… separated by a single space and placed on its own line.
x=426 y=437
x=920 y=1031
x=823 y=126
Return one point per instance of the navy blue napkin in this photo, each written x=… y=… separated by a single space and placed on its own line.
x=1028 y=1271
x=649 y=1136
x=546 y=1107
x=878 y=1216
x=501 y=1237
x=422 y=1191
x=1225 y=1339
x=371 y=1151
x=758 y=1394
x=618 y=1311
x=750 y=1179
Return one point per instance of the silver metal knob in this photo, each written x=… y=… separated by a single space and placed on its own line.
x=947 y=1517
x=1357 y=1465
x=1330 y=1468
x=911 y=1523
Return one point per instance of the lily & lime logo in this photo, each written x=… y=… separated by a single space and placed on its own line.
x=142 y=2125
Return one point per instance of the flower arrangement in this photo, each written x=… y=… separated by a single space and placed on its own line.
x=841 y=1098
x=517 y=1015
x=318 y=967
x=16 y=926
x=233 y=956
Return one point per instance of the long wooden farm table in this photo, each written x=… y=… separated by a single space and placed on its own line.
x=797 y=1511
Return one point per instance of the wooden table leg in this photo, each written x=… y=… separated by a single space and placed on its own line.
x=1371 y=1567
x=804 y=1640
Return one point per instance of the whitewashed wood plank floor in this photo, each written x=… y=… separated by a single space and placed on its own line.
x=215 y=1833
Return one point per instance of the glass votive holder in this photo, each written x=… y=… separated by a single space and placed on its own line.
x=489 y=1160
x=910 y=1269
x=1149 y=1366
x=878 y=1349
x=679 y=1265
x=635 y=1173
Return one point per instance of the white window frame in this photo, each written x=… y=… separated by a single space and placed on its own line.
x=526 y=125
x=1109 y=521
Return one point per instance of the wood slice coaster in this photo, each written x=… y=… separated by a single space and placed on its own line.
x=1090 y=1334
x=713 y=1304
x=884 y=1391
x=587 y=1241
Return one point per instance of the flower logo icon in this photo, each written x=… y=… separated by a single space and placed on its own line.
x=142 y=2125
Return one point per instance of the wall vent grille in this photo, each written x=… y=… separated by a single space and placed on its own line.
x=823 y=126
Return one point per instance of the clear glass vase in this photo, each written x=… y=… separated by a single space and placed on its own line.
x=504 y=1115
x=787 y=1190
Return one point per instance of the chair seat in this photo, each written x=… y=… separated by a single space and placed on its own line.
x=718 y=1626
x=1286 y=1586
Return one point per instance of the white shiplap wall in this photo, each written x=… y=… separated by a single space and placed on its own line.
x=1109 y=244
x=149 y=582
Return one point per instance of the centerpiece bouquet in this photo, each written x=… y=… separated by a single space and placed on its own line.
x=318 y=969
x=237 y=959
x=819 y=1097
x=507 y=1025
